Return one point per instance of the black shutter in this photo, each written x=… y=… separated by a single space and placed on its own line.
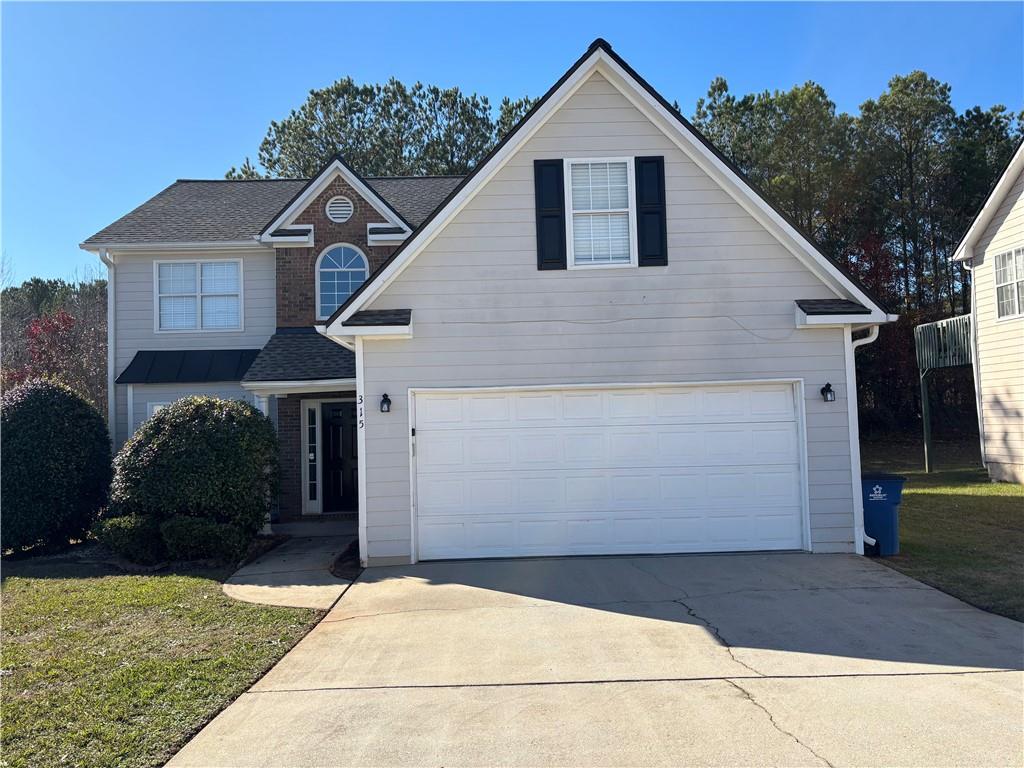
x=549 y=191
x=651 y=230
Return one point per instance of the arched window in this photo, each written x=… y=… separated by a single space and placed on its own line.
x=339 y=271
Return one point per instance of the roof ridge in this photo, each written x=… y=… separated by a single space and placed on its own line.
x=233 y=181
x=428 y=176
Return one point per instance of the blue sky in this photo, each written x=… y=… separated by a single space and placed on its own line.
x=106 y=104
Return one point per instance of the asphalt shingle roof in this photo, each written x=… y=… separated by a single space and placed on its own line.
x=832 y=307
x=301 y=354
x=380 y=317
x=217 y=211
x=415 y=197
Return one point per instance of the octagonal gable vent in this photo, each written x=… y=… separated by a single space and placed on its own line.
x=339 y=209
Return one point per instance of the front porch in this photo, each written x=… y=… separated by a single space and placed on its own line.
x=305 y=383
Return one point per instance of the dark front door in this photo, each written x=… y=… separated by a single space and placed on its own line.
x=340 y=462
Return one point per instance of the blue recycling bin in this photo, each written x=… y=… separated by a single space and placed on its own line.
x=882 y=496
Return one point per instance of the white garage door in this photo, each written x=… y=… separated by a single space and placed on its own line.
x=600 y=471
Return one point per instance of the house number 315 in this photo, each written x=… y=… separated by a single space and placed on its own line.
x=359 y=410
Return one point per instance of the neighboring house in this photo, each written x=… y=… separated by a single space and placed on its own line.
x=993 y=249
x=602 y=340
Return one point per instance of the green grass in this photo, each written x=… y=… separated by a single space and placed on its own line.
x=959 y=531
x=105 y=669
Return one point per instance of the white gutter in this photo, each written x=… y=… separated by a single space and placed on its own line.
x=871 y=337
x=107 y=259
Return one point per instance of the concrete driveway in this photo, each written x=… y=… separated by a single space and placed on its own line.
x=783 y=660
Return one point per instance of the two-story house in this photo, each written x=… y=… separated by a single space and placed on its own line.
x=601 y=340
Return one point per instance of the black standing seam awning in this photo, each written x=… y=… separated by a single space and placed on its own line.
x=187 y=366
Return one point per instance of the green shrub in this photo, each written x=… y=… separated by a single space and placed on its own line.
x=134 y=538
x=56 y=464
x=195 y=538
x=200 y=457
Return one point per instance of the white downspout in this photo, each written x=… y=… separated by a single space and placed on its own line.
x=860 y=537
x=976 y=362
x=108 y=260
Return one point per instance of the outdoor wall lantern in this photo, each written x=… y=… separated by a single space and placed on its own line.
x=827 y=393
x=385 y=404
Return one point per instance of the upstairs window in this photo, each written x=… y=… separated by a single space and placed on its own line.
x=340 y=270
x=199 y=295
x=1009 y=271
x=601 y=223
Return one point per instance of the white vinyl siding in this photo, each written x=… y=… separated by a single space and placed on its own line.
x=722 y=310
x=135 y=304
x=198 y=295
x=1000 y=336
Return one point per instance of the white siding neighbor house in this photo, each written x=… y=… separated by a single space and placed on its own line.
x=602 y=340
x=993 y=250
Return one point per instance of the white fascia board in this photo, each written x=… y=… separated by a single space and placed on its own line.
x=228 y=245
x=336 y=330
x=965 y=250
x=688 y=143
x=328 y=175
x=386 y=239
x=265 y=388
x=803 y=320
x=290 y=241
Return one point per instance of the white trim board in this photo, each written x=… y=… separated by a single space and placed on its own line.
x=600 y=61
x=267 y=388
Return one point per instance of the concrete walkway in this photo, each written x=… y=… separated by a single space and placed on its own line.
x=296 y=574
x=768 y=660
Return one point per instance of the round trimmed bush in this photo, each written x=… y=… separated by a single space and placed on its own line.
x=134 y=538
x=56 y=464
x=199 y=457
x=195 y=538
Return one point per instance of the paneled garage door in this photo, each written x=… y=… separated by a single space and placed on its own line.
x=553 y=471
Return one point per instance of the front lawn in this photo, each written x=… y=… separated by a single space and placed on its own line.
x=959 y=532
x=102 y=668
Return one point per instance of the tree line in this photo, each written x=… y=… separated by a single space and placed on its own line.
x=886 y=192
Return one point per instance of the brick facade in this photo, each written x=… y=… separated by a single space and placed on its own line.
x=296 y=280
x=289 y=437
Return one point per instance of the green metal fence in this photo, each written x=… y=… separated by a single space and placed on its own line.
x=942 y=344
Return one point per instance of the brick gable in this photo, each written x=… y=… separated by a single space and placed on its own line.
x=296 y=280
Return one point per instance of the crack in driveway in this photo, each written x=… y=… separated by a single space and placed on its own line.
x=771 y=719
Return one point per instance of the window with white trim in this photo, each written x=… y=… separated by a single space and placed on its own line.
x=1009 y=273
x=601 y=205
x=199 y=295
x=340 y=270
x=154 y=408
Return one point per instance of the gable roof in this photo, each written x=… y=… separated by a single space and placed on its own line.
x=965 y=249
x=232 y=211
x=599 y=56
x=335 y=167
